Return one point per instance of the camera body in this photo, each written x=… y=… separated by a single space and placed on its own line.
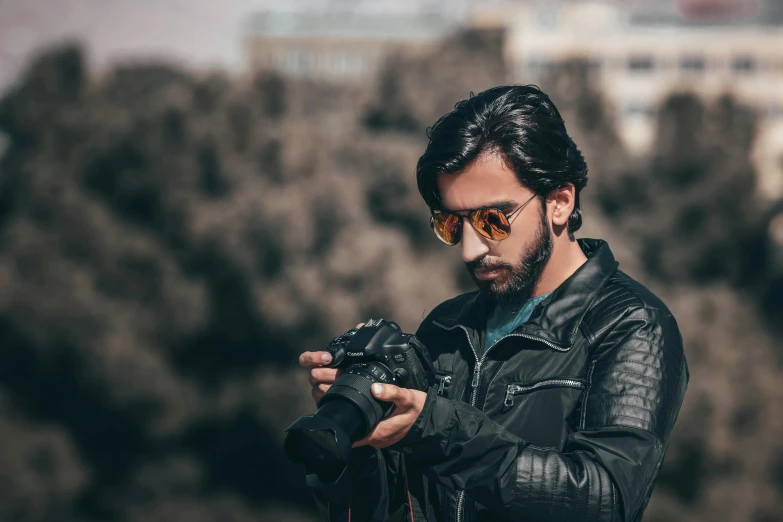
x=382 y=353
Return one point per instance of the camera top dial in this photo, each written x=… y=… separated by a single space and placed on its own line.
x=338 y=348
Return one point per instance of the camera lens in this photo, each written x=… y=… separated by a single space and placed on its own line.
x=315 y=442
x=354 y=386
x=346 y=414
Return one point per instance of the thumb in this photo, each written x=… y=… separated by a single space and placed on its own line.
x=388 y=392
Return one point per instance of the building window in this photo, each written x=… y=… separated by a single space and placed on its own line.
x=299 y=62
x=743 y=64
x=306 y=60
x=344 y=63
x=546 y=16
x=693 y=64
x=638 y=110
x=290 y=61
x=640 y=64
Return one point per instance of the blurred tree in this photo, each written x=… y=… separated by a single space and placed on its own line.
x=168 y=245
x=700 y=185
x=415 y=90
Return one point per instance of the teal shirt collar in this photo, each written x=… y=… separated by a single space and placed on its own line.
x=504 y=319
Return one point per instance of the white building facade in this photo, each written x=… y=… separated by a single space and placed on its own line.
x=342 y=46
x=640 y=56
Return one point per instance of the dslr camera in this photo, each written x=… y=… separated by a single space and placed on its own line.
x=377 y=352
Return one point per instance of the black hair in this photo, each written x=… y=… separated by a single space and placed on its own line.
x=520 y=123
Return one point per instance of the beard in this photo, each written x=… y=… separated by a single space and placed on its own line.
x=519 y=282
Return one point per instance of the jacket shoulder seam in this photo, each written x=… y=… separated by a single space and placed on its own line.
x=623 y=281
x=629 y=288
x=628 y=312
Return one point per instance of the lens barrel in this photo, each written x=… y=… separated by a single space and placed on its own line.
x=346 y=413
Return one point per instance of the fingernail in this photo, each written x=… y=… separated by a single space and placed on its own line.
x=326 y=357
x=377 y=389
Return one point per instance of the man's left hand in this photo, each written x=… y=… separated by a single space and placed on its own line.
x=407 y=407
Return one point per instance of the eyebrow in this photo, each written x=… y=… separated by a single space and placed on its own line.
x=503 y=205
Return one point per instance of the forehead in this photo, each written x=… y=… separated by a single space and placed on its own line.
x=485 y=180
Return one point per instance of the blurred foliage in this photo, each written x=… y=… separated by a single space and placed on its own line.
x=169 y=243
x=414 y=90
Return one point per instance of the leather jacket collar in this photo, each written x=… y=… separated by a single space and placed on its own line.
x=556 y=319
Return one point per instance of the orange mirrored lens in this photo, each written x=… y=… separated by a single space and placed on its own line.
x=491 y=223
x=448 y=227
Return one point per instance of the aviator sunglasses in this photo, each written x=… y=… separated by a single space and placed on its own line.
x=491 y=223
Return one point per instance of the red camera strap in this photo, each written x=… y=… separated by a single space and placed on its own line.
x=407 y=488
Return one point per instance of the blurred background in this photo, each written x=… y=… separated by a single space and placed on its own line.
x=193 y=192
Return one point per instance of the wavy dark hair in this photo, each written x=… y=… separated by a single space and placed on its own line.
x=520 y=123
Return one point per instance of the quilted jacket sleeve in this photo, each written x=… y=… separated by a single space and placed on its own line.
x=606 y=470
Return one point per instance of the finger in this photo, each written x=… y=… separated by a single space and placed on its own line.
x=364 y=442
x=390 y=393
x=386 y=433
x=314 y=359
x=359 y=325
x=323 y=375
x=318 y=392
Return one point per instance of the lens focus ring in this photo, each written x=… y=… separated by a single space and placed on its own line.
x=356 y=388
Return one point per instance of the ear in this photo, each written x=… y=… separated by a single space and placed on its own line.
x=561 y=203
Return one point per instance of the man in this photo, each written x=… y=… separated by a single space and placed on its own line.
x=562 y=377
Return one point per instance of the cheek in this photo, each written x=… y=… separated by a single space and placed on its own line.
x=510 y=248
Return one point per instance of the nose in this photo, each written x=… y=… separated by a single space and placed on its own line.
x=474 y=245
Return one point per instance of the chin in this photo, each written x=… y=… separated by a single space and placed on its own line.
x=497 y=290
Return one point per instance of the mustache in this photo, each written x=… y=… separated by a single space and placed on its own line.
x=486 y=265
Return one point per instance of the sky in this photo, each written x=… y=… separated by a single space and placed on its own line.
x=200 y=33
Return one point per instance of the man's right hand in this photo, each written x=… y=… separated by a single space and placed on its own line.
x=320 y=378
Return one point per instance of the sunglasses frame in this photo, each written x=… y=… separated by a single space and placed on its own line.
x=469 y=216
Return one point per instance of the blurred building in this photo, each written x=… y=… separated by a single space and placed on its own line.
x=641 y=51
x=338 y=46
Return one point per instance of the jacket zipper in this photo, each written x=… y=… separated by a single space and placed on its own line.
x=518 y=389
x=534 y=338
x=477 y=379
x=474 y=384
x=443 y=382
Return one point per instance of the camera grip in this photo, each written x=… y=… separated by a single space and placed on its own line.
x=417 y=363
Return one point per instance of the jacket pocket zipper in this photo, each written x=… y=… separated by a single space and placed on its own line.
x=513 y=390
x=443 y=382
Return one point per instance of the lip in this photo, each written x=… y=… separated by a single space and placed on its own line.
x=485 y=274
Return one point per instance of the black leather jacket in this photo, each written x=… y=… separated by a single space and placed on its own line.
x=567 y=418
